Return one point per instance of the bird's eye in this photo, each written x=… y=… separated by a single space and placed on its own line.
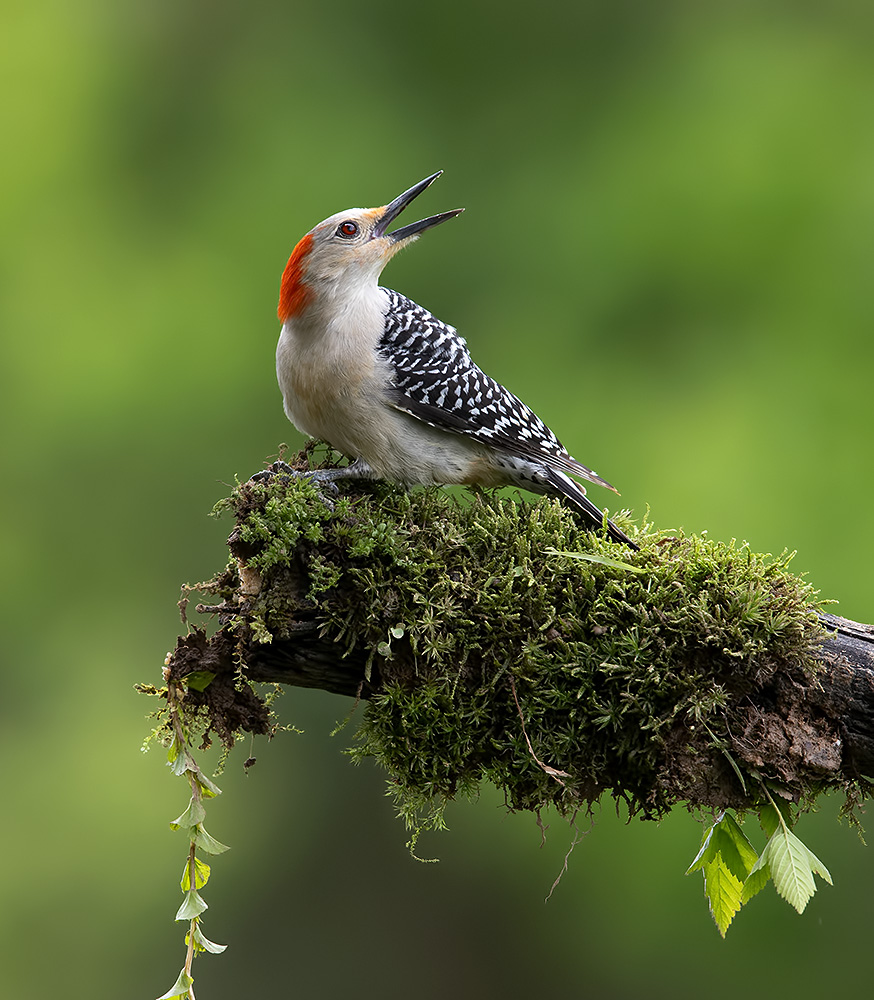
x=347 y=229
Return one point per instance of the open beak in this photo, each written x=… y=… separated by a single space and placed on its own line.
x=393 y=210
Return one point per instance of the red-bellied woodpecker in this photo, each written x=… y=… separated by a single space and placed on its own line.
x=394 y=388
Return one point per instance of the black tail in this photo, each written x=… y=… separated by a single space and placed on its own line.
x=561 y=485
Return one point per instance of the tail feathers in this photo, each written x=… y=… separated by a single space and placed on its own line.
x=560 y=485
x=568 y=463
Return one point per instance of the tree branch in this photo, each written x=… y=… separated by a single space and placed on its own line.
x=846 y=691
x=500 y=636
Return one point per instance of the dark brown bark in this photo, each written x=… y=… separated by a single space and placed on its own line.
x=846 y=691
x=826 y=725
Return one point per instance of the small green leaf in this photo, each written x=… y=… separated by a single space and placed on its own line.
x=726 y=839
x=816 y=866
x=199 y=680
x=756 y=880
x=602 y=560
x=207 y=843
x=705 y=854
x=179 y=988
x=769 y=820
x=192 y=906
x=260 y=632
x=210 y=788
x=397 y=632
x=194 y=814
x=203 y=943
x=201 y=875
x=723 y=891
x=739 y=854
x=773 y=816
x=183 y=762
x=792 y=866
x=726 y=858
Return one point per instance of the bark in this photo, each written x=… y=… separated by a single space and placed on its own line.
x=683 y=678
x=841 y=696
x=846 y=691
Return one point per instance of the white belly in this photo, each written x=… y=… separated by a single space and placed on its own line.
x=336 y=395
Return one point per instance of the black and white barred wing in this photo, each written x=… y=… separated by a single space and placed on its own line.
x=436 y=380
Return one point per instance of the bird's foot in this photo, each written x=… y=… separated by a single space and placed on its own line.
x=276 y=469
x=282 y=470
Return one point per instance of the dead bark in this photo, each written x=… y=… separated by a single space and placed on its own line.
x=843 y=692
x=846 y=690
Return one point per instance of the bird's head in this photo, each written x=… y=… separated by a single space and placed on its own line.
x=350 y=248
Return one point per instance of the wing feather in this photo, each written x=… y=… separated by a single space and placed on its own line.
x=436 y=380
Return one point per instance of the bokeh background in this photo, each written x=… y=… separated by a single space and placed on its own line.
x=667 y=252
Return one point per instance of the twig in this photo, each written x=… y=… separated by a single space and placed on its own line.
x=551 y=771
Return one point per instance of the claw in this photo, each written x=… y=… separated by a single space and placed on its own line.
x=324 y=478
x=283 y=470
x=276 y=469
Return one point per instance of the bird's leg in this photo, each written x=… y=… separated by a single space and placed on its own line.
x=279 y=468
x=276 y=469
x=359 y=469
x=325 y=478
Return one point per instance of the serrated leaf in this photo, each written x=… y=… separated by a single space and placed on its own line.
x=201 y=875
x=179 y=988
x=726 y=858
x=724 y=893
x=705 y=853
x=192 y=906
x=791 y=869
x=725 y=839
x=738 y=853
x=730 y=846
x=194 y=814
x=203 y=943
x=207 y=843
x=756 y=880
x=816 y=866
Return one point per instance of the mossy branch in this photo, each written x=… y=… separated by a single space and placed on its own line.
x=498 y=640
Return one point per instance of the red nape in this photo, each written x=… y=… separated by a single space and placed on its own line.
x=293 y=293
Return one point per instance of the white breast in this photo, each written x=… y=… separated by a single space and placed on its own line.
x=333 y=380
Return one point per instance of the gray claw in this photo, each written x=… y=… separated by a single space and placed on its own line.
x=324 y=478
x=276 y=469
x=282 y=470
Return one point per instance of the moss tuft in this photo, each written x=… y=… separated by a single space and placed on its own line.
x=513 y=646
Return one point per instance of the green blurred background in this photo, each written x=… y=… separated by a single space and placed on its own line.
x=666 y=253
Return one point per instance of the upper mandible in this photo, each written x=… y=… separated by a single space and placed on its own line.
x=350 y=248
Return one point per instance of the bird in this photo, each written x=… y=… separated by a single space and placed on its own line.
x=394 y=388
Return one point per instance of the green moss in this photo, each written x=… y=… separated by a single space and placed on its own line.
x=487 y=634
